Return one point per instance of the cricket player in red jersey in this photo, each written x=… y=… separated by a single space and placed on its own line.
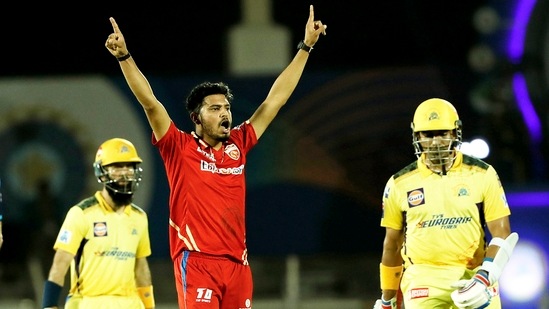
x=205 y=171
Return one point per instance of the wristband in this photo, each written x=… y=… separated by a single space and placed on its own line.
x=482 y=277
x=390 y=276
x=387 y=303
x=52 y=291
x=146 y=295
x=126 y=56
x=304 y=46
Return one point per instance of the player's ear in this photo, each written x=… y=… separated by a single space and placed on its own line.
x=194 y=118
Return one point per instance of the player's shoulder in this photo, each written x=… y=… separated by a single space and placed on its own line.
x=474 y=162
x=137 y=209
x=407 y=170
x=174 y=135
x=87 y=203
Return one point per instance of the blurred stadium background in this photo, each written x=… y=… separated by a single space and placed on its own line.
x=315 y=180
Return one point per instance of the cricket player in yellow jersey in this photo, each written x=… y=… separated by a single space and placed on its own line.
x=437 y=212
x=105 y=240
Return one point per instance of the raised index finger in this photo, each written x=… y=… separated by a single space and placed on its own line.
x=114 y=25
x=311 y=13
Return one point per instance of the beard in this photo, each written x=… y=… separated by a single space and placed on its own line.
x=213 y=133
x=223 y=138
x=120 y=199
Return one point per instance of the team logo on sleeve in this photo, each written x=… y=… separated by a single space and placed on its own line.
x=100 y=229
x=504 y=199
x=386 y=192
x=416 y=197
x=65 y=237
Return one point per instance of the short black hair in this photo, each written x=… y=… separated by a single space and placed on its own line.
x=199 y=92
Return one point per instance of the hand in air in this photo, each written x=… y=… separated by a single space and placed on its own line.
x=115 y=41
x=313 y=29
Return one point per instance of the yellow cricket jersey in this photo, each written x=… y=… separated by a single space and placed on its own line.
x=105 y=245
x=444 y=216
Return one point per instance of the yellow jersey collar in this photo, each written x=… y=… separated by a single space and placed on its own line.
x=425 y=171
x=106 y=207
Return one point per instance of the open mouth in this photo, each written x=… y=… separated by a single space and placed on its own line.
x=226 y=124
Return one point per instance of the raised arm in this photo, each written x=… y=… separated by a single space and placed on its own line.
x=156 y=113
x=286 y=82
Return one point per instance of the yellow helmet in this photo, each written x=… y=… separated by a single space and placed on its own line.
x=435 y=114
x=117 y=150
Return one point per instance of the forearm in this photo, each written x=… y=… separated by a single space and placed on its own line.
x=143 y=281
x=138 y=83
x=60 y=266
x=57 y=275
x=142 y=273
x=391 y=266
x=391 y=249
x=287 y=81
x=391 y=257
x=53 y=286
x=279 y=94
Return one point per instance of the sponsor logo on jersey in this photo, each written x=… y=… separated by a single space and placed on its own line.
x=100 y=229
x=116 y=253
x=419 y=293
x=211 y=167
x=439 y=220
x=416 y=197
x=208 y=155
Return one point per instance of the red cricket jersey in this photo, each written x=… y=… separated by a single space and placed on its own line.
x=207 y=191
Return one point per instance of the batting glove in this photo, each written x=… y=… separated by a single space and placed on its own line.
x=385 y=304
x=473 y=293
